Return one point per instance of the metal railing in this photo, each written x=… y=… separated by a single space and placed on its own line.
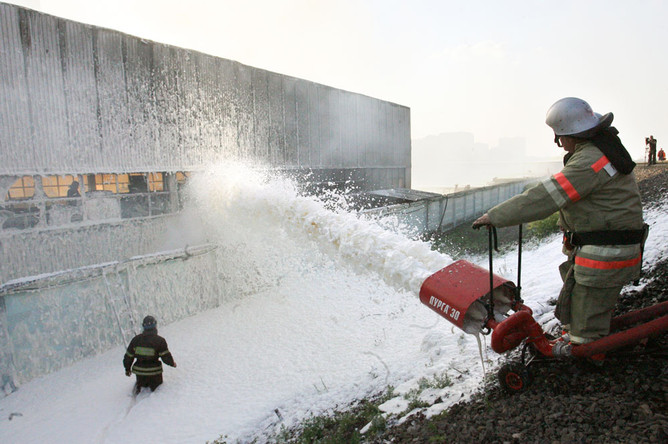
x=447 y=211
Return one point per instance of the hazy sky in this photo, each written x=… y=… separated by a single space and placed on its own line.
x=490 y=67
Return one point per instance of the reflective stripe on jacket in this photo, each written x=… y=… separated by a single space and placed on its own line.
x=590 y=195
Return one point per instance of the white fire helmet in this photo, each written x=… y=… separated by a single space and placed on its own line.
x=571 y=116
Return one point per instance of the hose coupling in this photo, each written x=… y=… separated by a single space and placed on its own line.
x=562 y=350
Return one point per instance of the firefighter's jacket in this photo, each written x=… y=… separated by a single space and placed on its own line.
x=590 y=195
x=147 y=348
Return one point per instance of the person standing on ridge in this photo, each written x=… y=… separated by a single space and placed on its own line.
x=600 y=212
x=651 y=143
x=148 y=348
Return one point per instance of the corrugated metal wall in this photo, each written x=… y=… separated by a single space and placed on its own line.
x=81 y=99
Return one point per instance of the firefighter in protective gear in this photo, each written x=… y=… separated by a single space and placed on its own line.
x=147 y=348
x=600 y=212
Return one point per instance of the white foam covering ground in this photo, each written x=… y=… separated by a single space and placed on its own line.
x=327 y=313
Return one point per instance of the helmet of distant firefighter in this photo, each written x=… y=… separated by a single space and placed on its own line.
x=149 y=323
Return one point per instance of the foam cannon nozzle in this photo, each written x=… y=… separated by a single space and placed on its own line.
x=464 y=294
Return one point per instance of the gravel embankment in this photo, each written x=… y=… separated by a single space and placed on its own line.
x=624 y=401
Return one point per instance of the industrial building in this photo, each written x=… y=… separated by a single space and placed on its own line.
x=130 y=119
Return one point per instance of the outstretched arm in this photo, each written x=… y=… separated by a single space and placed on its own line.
x=482 y=221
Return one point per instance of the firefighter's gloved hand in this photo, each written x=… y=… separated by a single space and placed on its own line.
x=482 y=221
x=128 y=373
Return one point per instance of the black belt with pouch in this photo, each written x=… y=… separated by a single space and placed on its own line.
x=611 y=237
x=608 y=237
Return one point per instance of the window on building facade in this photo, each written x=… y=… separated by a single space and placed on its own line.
x=156 y=182
x=182 y=177
x=23 y=188
x=105 y=182
x=136 y=194
x=57 y=186
x=19 y=210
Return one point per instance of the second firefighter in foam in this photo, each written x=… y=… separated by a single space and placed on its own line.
x=144 y=354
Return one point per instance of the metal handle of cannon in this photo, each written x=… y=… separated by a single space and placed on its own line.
x=493 y=245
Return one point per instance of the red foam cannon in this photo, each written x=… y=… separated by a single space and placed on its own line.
x=461 y=291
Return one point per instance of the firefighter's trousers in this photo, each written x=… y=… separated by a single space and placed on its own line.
x=587 y=311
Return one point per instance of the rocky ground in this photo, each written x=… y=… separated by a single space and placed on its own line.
x=623 y=401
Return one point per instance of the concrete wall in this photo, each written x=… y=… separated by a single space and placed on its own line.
x=51 y=321
x=33 y=252
x=81 y=99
